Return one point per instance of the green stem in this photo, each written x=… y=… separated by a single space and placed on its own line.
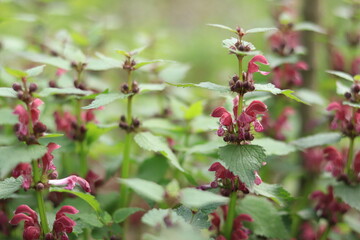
x=230 y=216
x=125 y=168
x=240 y=106
x=40 y=199
x=325 y=234
x=349 y=171
x=83 y=159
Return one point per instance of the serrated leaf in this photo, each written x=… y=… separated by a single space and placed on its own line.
x=317 y=140
x=150 y=142
x=7 y=116
x=258 y=30
x=196 y=198
x=10 y=156
x=267 y=220
x=243 y=160
x=275 y=192
x=222 y=27
x=205 y=85
x=147 y=189
x=10 y=185
x=104 y=99
x=355 y=105
x=141 y=64
x=309 y=26
x=199 y=219
x=349 y=194
x=147 y=87
x=35 y=71
x=7 y=92
x=269 y=87
x=16 y=73
x=63 y=91
x=342 y=75
x=122 y=214
x=274 y=147
x=88 y=198
x=53 y=61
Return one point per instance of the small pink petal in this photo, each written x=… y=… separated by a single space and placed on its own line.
x=218 y=112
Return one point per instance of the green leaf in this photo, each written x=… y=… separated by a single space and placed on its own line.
x=269 y=87
x=341 y=88
x=147 y=87
x=33 y=72
x=153 y=169
x=7 y=92
x=243 y=160
x=311 y=97
x=63 y=91
x=16 y=73
x=349 y=194
x=274 y=147
x=141 y=64
x=10 y=156
x=9 y=185
x=195 y=198
x=205 y=85
x=104 y=99
x=355 y=105
x=258 y=30
x=194 y=110
x=88 y=198
x=53 y=61
x=123 y=52
x=123 y=213
x=342 y=75
x=267 y=220
x=146 y=189
x=155 y=217
x=317 y=140
x=52 y=135
x=222 y=27
x=275 y=192
x=7 y=116
x=309 y=26
x=111 y=62
x=148 y=141
x=199 y=219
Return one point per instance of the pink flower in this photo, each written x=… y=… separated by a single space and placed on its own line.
x=328 y=207
x=336 y=161
x=343 y=114
x=224 y=115
x=355 y=66
x=47 y=163
x=337 y=61
x=24 y=170
x=70 y=183
x=65 y=122
x=313 y=160
x=357 y=165
x=63 y=224
x=60 y=72
x=35 y=112
x=22 y=127
x=32 y=228
x=276 y=128
x=94 y=180
x=288 y=75
x=284 y=42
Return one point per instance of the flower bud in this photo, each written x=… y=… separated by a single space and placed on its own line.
x=53 y=175
x=347 y=95
x=40 y=186
x=235 y=78
x=52 y=84
x=136 y=123
x=17 y=87
x=124 y=88
x=33 y=87
x=356 y=88
x=123 y=118
x=40 y=127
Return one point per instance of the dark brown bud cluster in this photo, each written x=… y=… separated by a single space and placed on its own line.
x=238 y=138
x=353 y=96
x=240 y=46
x=129 y=64
x=79 y=132
x=240 y=87
x=125 y=89
x=135 y=123
x=353 y=38
x=25 y=95
x=240 y=32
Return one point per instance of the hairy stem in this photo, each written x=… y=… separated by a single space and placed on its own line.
x=230 y=216
x=40 y=199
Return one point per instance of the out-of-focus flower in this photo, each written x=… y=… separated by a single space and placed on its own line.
x=288 y=74
x=32 y=228
x=328 y=207
x=336 y=161
x=276 y=128
x=24 y=170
